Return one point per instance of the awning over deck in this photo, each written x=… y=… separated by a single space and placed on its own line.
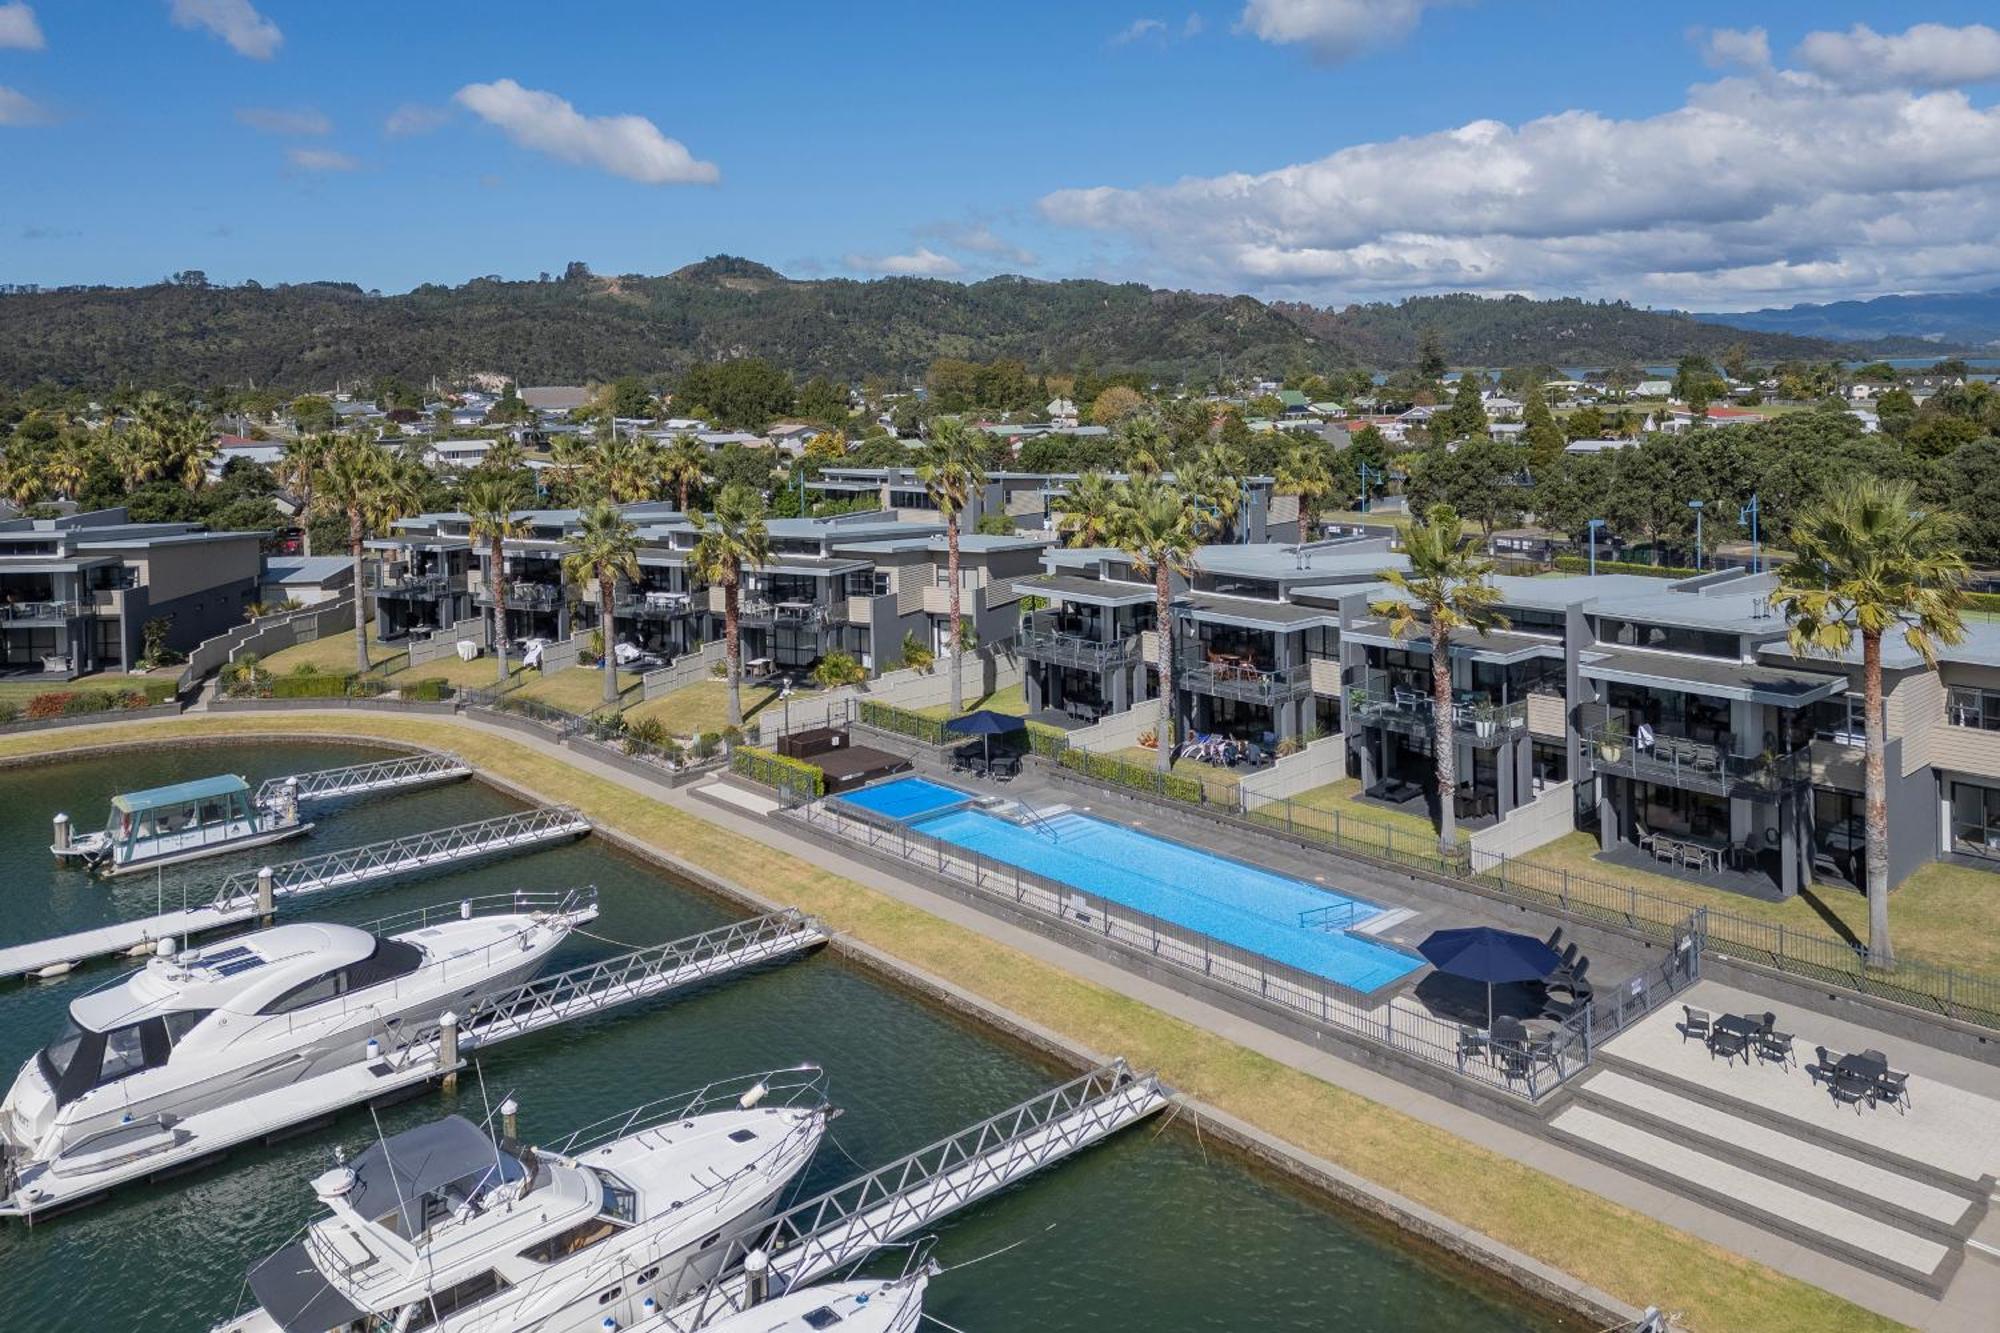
x=1711 y=676
x=179 y=793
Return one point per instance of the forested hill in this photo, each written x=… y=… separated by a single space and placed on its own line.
x=582 y=327
x=1513 y=330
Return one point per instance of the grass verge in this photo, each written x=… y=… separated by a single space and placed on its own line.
x=1635 y=1257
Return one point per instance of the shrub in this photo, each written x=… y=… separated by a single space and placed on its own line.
x=718 y=669
x=646 y=731
x=1580 y=564
x=1149 y=739
x=155 y=652
x=9 y=711
x=87 y=701
x=837 y=669
x=794 y=777
x=1119 y=772
x=917 y=655
x=704 y=744
x=732 y=736
x=901 y=721
x=430 y=690
x=1290 y=745
x=47 y=705
x=308 y=669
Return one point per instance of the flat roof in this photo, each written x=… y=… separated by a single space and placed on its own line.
x=178 y=793
x=1253 y=612
x=1499 y=647
x=1091 y=592
x=1707 y=675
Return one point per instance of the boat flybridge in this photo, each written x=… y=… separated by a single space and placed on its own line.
x=183 y=822
x=206 y=1029
x=442 y=1227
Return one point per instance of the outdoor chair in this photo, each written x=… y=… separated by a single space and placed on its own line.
x=1895 y=1087
x=1471 y=1042
x=1823 y=1064
x=1694 y=1024
x=1554 y=941
x=1570 y=977
x=1773 y=1045
x=1726 y=1044
x=1852 y=1088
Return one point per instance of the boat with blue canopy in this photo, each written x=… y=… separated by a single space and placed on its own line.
x=184 y=821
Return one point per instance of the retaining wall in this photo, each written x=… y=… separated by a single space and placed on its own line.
x=1321 y=762
x=1543 y=820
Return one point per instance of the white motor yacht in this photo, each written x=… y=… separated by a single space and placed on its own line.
x=878 y=1306
x=204 y=1028
x=442 y=1227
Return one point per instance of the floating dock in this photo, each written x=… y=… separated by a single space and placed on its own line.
x=241 y=896
x=414 y=770
x=167 y=1145
x=813 y=1238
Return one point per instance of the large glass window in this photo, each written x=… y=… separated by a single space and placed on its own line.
x=1322 y=643
x=124 y=1053
x=1969 y=707
x=1669 y=639
x=62 y=1051
x=1975 y=819
x=1844 y=720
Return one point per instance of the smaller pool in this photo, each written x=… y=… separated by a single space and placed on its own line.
x=906 y=798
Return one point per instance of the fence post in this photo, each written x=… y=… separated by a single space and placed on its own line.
x=1565 y=889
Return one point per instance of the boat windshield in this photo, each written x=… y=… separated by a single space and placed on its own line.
x=60 y=1054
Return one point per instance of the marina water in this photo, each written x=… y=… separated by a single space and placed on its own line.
x=1153 y=1231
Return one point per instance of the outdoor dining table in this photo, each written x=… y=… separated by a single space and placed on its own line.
x=1871 y=1065
x=1743 y=1027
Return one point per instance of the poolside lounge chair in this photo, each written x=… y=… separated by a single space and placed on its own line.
x=1571 y=977
x=1555 y=939
x=1695 y=1023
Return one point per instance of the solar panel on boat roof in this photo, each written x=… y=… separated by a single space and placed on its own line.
x=224 y=955
x=231 y=968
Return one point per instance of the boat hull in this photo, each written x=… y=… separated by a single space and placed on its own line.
x=111 y=868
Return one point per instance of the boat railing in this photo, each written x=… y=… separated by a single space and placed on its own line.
x=803 y=1086
x=519 y=902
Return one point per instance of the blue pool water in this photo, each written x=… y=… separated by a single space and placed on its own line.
x=1238 y=904
x=905 y=798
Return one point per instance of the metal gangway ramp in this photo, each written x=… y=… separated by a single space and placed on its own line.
x=409 y=770
x=638 y=975
x=239 y=898
x=892 y=1202
x=418 y=851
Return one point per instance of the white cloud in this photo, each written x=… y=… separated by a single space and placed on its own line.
x=1137 y=30
x=279 y=120
x=980 y=239
x=1768 y=184
x=1192 y=25
x=20 y=109
x=628 y=146
x=923 y=262
x=414 y=118
x=320 y=159
x=1929 y=55
x=236 y=22
x=18 y=29
x=1335 y=30
x=1747 y=48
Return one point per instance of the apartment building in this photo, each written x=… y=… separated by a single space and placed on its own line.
x=858 y=583
x=76 y=592
x=1694 y=740
x=1027 y=500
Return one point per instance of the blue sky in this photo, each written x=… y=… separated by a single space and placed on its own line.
x=1703 y=155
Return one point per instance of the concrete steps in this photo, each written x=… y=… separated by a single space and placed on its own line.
x=1387 y=920
x=1812 y=1220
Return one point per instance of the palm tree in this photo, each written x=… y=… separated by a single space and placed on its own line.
x=1084 y=512
x=604 y=546
x=66 y=467
x=1303 y=472
x=683 y=468
x=621 y=469
x=506 y=457
x=1214 y=477
x=731 y=537
x=362 y=483
x=1868 y=559
x=1157 y=524
x=179 y=441
x=298 y=471
x=489 y=502
x=569 y=463
x=1445 y=588
x=950 y=470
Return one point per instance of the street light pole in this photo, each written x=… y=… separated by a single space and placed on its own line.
x=1366 y=472
x=1696 y=505
x=1748 y=514
x=1594 y=525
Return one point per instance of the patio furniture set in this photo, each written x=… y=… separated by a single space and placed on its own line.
x=1696 y=853
x=1850 y=1079
x=1507 y=1041
x=1001 y=765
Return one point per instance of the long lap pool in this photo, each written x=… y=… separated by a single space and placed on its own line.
x=1290 y=921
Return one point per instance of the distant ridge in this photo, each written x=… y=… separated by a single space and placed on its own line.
x=583 y=326
x=1969 y=319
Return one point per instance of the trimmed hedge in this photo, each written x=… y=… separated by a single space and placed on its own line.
x=430 y=690
x=1982 y=601
x=794 y=777
x=903 y=722
x=1123 y=773
x=1580 y=564
x=320 y=687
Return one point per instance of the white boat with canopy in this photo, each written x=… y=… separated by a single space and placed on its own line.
x=442 y=1227
x=209 y=1028
x=184 y=821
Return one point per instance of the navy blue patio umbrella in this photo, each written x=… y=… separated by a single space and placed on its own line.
x=987 y=724
x=1481 y=953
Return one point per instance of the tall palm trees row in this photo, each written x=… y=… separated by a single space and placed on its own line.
x=160 y=442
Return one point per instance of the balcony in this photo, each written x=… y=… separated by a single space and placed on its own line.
x=1223 y=679
x=1675 y=761
x=41 y=612
x=1378 y=703
x=418 y=587
x=1046 y=644
x=758 y=613
x=653 y=605
x=523 y=596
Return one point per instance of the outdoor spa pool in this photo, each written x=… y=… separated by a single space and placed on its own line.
x=1286 y=920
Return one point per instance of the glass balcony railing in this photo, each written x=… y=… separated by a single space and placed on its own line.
x=1073 y=644
x=1677 y=761
x=1379 y=702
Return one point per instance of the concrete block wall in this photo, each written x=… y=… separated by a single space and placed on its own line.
x=1118 y=731
x=1321 y=762
x=1541 y=821
x=444 y=643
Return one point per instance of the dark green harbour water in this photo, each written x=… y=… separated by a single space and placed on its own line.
x=1143 y=1234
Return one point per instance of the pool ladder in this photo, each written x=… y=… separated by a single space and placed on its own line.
x=1033 y=819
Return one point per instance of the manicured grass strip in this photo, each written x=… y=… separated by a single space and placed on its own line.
x=579 y=689
x=20 y=691
x=1637 y=1258
x=1010 y=699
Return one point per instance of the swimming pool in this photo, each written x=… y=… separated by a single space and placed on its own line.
x=906 y=799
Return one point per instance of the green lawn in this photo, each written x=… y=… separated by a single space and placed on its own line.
x=1359 y=825
x=1220 y=783
x=332 y=654
x=1943 y=914
x=579 y=689
x=20 y=691
x=478 y=674
x=1011 y=699
x=704 y=706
